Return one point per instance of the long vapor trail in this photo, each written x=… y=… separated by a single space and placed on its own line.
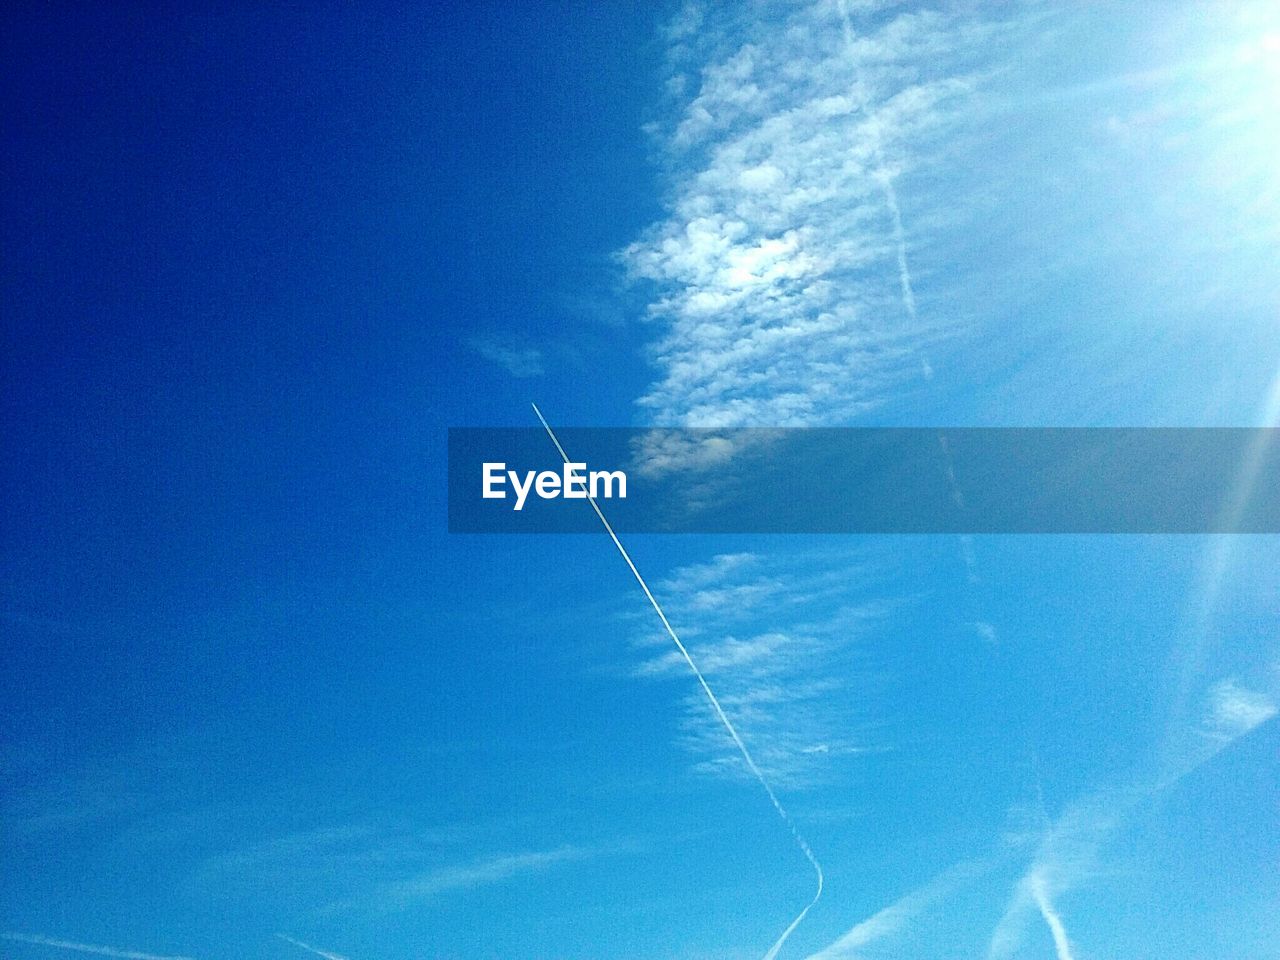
x=886 y=181
x=713 y=700
x=328 y=955
x=900 y=239
x=93 y=948
x=1061 y=945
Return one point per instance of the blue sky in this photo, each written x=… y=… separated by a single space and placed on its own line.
x=258 y=702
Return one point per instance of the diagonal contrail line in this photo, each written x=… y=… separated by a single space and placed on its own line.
x=327 y=954
x=899 y=239
x=711 y=697
x=885 y=179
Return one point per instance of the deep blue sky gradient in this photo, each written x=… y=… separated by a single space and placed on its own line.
x=251 y=261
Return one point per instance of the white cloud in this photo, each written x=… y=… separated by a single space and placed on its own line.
x=522 y=362
x=986 y=631
x=713 y=571
x=781 y=278
x=1234 y=710
x=788 y=687
x=658 y=452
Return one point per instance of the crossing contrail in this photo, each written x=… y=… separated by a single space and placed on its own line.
x=713 y=700
x=1061 y=945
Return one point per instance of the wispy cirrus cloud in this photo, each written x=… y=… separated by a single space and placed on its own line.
x=93 y=948
x=780 y=276
x=776 y=636
x=1234 y=710
x=479 y=873
x=519 y=361
x=375 y=867
x=335 y=861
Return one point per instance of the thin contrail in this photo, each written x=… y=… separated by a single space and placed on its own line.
x=711 y=697
x=93 y=948
x=899 y=238
x=328 y=955
x=1061 y=945
x=885 y=179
